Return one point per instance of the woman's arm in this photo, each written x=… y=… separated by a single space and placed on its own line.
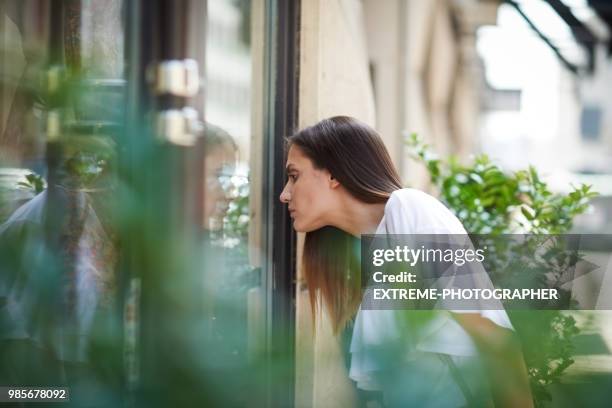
x=503 y=358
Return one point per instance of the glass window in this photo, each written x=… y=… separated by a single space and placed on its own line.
x=108 y=281
x=61 y=92
x=233 y=195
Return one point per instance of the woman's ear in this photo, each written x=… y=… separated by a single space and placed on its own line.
x=333 y=182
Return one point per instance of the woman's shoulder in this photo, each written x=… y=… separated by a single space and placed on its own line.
x=410 y=198
x=422 y=212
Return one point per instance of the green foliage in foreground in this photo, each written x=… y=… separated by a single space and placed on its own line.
x=489 y=200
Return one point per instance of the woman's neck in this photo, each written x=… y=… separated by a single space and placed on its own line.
x=358 y=218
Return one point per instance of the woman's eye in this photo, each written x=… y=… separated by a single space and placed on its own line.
x=292 y=177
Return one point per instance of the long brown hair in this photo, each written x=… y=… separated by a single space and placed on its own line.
x=356 y=156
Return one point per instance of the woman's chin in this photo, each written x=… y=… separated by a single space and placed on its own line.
x=297 y=226
x=301 y=227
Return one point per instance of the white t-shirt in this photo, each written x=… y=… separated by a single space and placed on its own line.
x=411 y=211
x=22 y=305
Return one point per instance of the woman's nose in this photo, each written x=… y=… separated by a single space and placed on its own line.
x=285 y=195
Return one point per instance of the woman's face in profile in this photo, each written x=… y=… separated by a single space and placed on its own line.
x=308 y=192
x=218 y=163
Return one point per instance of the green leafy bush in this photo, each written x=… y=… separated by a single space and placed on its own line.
x=491 y=201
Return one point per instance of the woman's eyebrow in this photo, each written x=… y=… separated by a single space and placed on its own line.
x=290 y=167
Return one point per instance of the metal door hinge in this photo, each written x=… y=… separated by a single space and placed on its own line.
x=179 y=126
x=175 y=77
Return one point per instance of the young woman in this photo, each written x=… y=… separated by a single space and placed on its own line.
x=341 y=185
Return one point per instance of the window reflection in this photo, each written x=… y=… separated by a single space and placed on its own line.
x=60 y=290
x=58 y=241
x=234 y=149
x=220 y=161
